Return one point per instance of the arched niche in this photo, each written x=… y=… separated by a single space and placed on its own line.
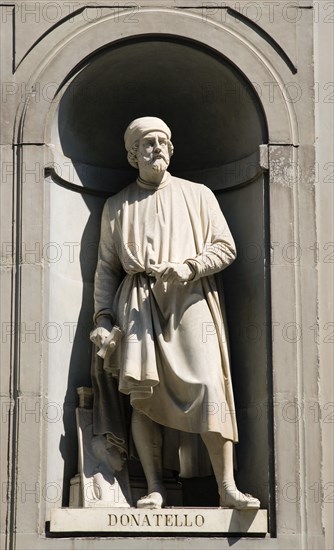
x=213 y=112
x=217 y=127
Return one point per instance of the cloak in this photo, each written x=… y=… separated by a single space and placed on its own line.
x=173 y=359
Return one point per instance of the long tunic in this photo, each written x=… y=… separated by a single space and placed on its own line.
x=173 y=358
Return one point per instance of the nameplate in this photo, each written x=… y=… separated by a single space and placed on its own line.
x=166 y=520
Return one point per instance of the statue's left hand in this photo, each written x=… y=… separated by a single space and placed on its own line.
x=174 y=273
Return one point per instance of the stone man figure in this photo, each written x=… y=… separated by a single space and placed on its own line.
x=162 y=241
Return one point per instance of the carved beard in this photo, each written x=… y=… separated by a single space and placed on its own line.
x=157 y=165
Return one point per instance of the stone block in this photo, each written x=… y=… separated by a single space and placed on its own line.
x=166 y=520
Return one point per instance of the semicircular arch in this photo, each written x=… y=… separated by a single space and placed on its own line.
x=34 y=120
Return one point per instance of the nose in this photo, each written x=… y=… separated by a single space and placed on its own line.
x=157 y=146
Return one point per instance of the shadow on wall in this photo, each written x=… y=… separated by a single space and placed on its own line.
x=79 y=366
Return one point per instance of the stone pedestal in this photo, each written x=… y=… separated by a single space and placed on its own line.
x=185 y=521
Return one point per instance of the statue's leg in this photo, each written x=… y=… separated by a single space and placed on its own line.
x=148 y=440
x=221 y=455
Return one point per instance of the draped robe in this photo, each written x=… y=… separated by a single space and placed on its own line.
x=173 y=360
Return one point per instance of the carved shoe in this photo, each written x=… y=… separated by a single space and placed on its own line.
x=233 y=498
x=152 y=501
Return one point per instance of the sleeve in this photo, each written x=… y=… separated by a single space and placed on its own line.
x=219 y=248
x=109 y=272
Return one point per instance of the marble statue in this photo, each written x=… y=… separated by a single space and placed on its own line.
x=158 y=319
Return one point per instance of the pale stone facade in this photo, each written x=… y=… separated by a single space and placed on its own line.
x=259 y=77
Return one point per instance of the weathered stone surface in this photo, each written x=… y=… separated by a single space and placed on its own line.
x=166 y=520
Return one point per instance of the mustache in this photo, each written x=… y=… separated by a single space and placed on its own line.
x=159 y=156
x=152 y=162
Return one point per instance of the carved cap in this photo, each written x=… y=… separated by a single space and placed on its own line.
x=140 y=126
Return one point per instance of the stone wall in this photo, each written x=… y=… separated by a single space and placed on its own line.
x=255 y=76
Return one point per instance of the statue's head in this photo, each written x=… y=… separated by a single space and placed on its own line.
x=147 y=141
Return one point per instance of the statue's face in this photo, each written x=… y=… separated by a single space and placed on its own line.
x=153 y=151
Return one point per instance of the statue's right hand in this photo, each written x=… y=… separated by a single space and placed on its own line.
x=99 y=335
